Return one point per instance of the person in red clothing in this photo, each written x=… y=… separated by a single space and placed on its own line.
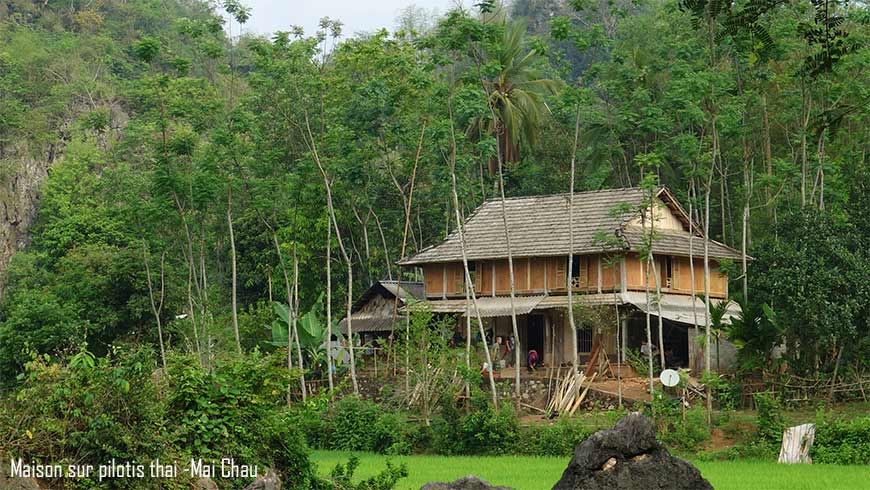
x=533 y=359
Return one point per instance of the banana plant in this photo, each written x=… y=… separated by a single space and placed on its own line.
x=312 y=332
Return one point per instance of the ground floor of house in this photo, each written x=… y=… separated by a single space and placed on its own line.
x=607 y=326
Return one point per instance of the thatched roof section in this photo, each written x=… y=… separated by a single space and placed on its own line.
x=375 y=310
x=539 y=227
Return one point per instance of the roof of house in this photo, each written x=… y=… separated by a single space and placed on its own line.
x=539 y=227
x=370 y=316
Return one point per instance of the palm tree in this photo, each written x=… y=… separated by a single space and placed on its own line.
x=516 y=95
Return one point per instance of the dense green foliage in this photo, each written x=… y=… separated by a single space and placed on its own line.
x=185 y=181
x=97 y=409
x=841 y=441
x=171 y=135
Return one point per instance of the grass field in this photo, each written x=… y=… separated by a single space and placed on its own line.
x=532 y=473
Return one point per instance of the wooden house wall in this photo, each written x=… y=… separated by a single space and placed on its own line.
x=531 y=274
x=681 y=275
x=433 y=280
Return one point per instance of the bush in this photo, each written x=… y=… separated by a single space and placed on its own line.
x=354 y=424
x=676 y=428
x=87 y=410
x=556 y=439
x=841 y=441
x=770 y=421
x=483 y=430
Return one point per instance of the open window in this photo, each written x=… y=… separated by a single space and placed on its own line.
x=579 y=271
x=668 y=272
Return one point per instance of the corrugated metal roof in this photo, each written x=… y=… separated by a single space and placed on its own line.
x=539 y=228
x=679 y=308
x=488 y=306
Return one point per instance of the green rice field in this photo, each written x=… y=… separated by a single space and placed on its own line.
x=540 y=473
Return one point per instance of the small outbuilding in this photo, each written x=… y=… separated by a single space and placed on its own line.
x=377 y=313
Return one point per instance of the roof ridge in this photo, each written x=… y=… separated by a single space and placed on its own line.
x=557 y=194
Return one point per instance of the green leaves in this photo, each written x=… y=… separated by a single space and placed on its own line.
x=146 y=49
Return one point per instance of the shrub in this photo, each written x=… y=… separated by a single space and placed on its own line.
x=483 y=430
x=676 y=428
x=770 y=421
x=557 y=439
x=87 y=410
x=354 y=424
x=840 y=441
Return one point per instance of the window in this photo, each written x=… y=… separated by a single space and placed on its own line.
x=579 y=271
x=668 y=281
x=584 y=340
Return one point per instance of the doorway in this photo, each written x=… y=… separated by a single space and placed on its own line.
x=534 y=337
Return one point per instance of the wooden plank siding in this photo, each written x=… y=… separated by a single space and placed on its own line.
x=681 y=276
x=547 y=275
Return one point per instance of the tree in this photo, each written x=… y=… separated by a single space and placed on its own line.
x=515 y=85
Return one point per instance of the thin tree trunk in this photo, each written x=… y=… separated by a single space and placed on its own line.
x=507 y=238
x=329 y=360
x=806 y=106
x=648 y=305
x=289 y=291
x=408 y=202
x=768 y=153
x=657 y=275
x=836 y=370
x=233 y=264
x=571 y=322
x=692 y=197
x=295 y=324
x=313 y=147
x=156 y=307
x=618 y=337
x=468 y=281
x=707 y=280
x=384 y=244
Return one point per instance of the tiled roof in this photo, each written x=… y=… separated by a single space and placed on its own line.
x=539 y=227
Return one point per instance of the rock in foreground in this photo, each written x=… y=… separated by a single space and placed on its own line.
x=470 y=482
x=628 y=457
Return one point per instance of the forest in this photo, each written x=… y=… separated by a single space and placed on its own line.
x=189 y=211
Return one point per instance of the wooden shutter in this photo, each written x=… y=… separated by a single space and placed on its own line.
x=561 y=274
x=459 y=279
x=478 y=267
x=584 y=270
x=675 y=272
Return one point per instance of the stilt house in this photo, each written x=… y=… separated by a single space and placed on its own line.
x=609 y=229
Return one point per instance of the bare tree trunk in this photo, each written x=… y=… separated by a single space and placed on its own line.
x=806 y=108
x=657 y=276
x=468 y=282
x=692 y=197
x=571 y=322
x=156 y=306
x=618 y=336
x=507 y=238
x=768 y=153
x=295 y=324
x=233 y=264
x=707 y=280
x=649 y=343
x=405 y=231
x=312 y=145
x=289 y=291
x=384 y=244
x=329 y=360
